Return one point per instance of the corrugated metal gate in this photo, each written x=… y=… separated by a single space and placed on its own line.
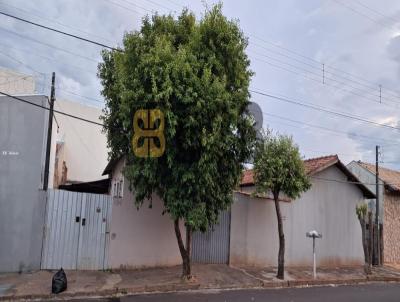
x=76 y=234
x=213 y=246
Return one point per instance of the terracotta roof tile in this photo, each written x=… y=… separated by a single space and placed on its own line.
x=390 y=177
x=312 y=166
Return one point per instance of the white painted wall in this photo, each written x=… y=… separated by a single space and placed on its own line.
x=328 y=207
x=85 y=146
x=140 y=238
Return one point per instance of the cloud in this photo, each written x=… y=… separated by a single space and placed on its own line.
x=359 y=55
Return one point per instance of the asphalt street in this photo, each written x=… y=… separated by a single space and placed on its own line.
x=359 y=293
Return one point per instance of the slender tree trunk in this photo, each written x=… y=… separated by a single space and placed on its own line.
x=185 y=252
x=281 y=254
x=188 y=270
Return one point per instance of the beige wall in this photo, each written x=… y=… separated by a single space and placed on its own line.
x=12 y=82
x=84 y=147
x=140 y=238
x=328 y=207
x=391 y=229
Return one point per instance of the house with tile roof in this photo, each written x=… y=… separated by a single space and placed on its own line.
x=389 y=204
x=328 y=207
x=247 y=232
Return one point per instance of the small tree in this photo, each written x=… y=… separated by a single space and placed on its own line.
x=197 y=73
x=363 y=215
x=278 y=167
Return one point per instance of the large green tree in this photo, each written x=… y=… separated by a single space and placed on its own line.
x=197 y=73
x=278 y=168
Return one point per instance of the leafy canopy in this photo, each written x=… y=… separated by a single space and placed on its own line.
x=278 y=166
x=197 y=73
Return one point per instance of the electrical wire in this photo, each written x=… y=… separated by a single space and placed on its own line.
x=56 y=111
x=360 y=136
x=364 y=15
x=40 y=16
x=49 y=45
x=326 y=71
x=60 y=31
x=320 y=63
x=45 y=57
x=323 y=109
x=327 y=83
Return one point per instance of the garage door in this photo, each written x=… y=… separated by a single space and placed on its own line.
x=213 y=246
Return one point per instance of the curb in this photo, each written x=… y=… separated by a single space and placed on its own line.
x=191 y=287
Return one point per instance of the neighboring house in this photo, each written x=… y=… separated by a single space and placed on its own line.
x=389 y=206
x=247 y=233
x=78 y=154
x=23 y=134
x=12 y=82
x=328 y=207
x=79 y=149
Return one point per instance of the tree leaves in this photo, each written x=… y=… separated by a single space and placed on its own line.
x=197 y=73
x=278 y=167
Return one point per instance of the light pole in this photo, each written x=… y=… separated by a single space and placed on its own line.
x=314 y=234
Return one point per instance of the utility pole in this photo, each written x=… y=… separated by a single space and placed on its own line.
x=378 y=262
x=49 y=133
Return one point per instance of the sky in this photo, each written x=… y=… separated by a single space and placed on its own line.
x=341 y=56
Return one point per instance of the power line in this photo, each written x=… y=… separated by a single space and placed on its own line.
x=60 y=88
x=327 y=83
x=80 y=95
x=395 y=93
x=45 y=57
x=354 y=182
x=49 y=45
x=60 y=32
x=323 y=109
x=128 y=8
x=364 y=15
x=56 y=111
x=369 y=85
x=376 y=11
x=360 y=136
x=39 y=15
x=326 y=71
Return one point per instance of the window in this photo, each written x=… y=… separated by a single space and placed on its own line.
x=114 y=193
x=121 y=188
x=118 y=188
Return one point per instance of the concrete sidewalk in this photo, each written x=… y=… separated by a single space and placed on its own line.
x=98 y=283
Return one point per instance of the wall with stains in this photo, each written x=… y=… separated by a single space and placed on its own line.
x=328 y=207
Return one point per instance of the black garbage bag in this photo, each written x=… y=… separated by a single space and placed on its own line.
x=59 y=282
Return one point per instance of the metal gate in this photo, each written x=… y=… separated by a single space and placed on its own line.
x=213 y=246
x=76 y=233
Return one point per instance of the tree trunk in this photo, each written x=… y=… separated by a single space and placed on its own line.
x=185 y=252
x=281 y=254
x=187 y=271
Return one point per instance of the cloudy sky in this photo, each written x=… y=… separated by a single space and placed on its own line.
x=330 y=54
